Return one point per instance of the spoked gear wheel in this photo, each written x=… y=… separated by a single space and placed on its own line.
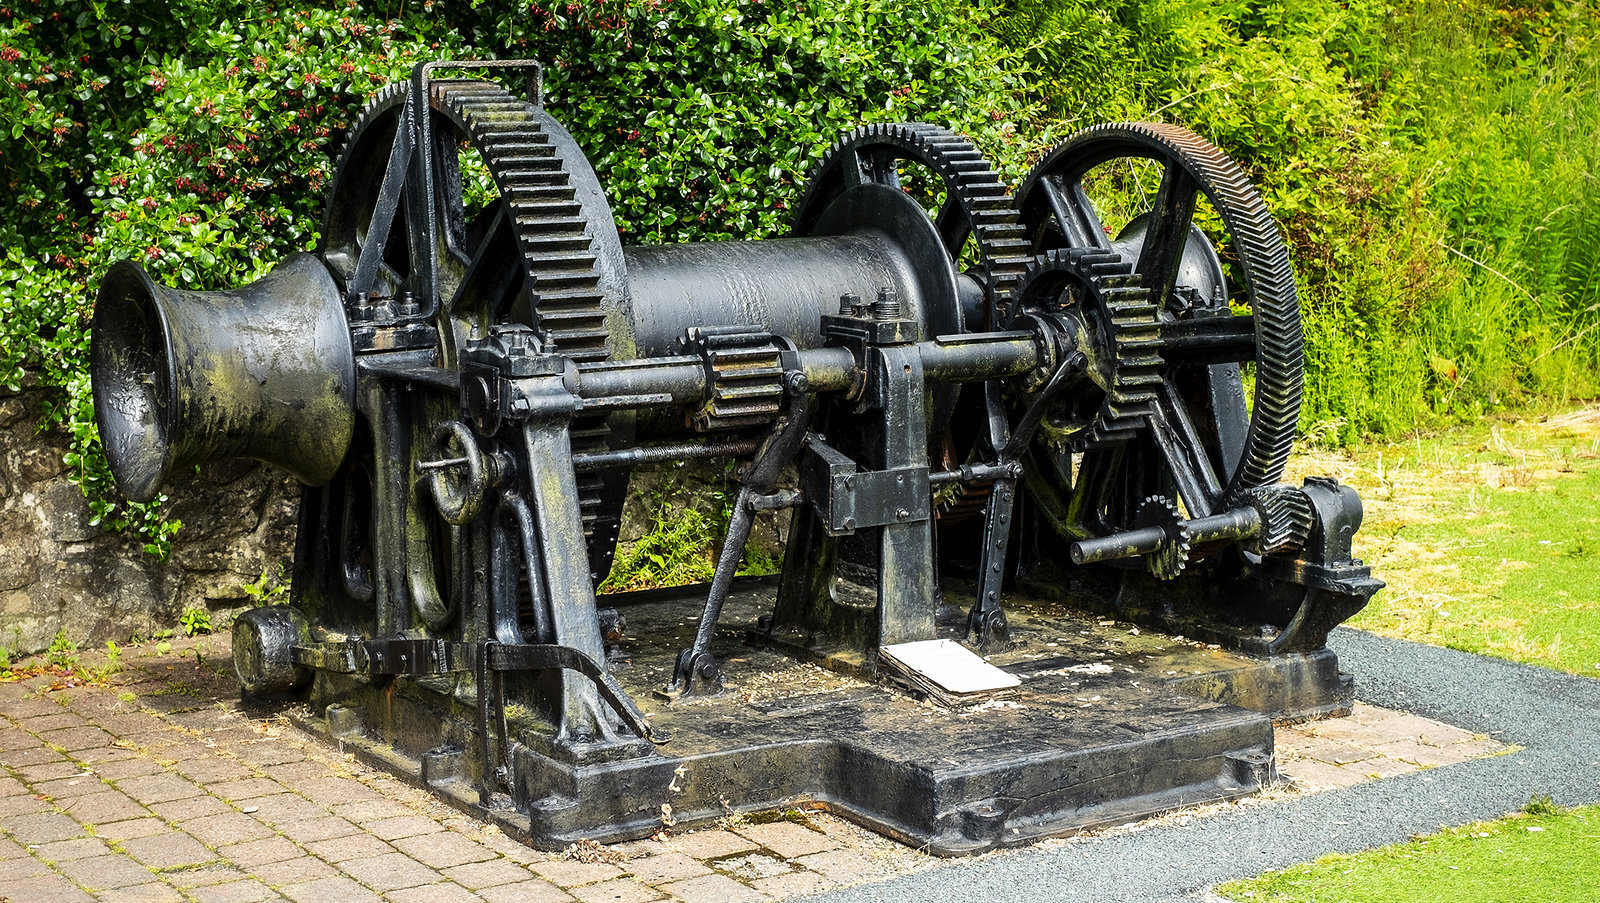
x=1215 y=450
x=533 y=255
x=976 y=207
x=1172 y=555
x=1097 y=300
x=976 y=203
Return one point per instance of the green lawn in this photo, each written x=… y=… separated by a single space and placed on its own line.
x=1489 y=537
x=1522 y=858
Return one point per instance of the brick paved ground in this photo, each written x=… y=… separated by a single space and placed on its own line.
x=155 y=785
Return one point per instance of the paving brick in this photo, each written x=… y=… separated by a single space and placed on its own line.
x=45 y=889
x=664 y=867
x=204 y=874
x=212 y=770
x=842 y=866
x=10 y=786
x=1474 y=748
x=159 y=788
x=281 y=807
x=10 y=849
x=106 y=806
x=121 y=769
x=81 y=737
x=752 y=866
x=253 y=853
x=332 y=791
x=371 y=810
x=21 y=805
x=246 y=891
x=336 y=889
x=788 y=839
x=1383 y=767
x=1422 y=753
x=1332 y=752
x=711 y=844
x=193 y=807
x=12 y=870
x=37 y=755
x=80 y=783
x=519 y=853
x=531 y=891
x=351 y=846
x=621 y=890
x=151 y=892
x=404 y=826
x=438 y=893
x=294 y=773
x=131 y=828
x=712 y=889
x=268 y=751
x=1315 y=775
x=169 y=850
x=478 y=875
x=444 y=849
x=106 y=872
x=308 y=829
x=293 y=871
x=226 y=828
x=67 y=850
x=566 y=873
x=234 y=791
x=13 y=739
x=791 y=885
x=49 y=771
x=391 y=871
x=44 y=827
x=52 y=721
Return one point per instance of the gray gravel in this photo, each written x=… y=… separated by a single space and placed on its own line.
x=1555 y=716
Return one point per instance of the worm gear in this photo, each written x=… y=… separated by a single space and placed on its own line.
x=1286 y=518
x=1101 y=303
x=1172 y=555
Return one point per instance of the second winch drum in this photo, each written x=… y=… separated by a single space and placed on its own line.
x=984 y=411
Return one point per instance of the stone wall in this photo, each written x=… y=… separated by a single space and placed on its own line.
x=60 y=573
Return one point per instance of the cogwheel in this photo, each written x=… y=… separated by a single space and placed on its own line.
x=1172 y=556
x=977 y=203
x=541 y=210
x=1285 y=513
x=1058 y=212
x=1116 y=318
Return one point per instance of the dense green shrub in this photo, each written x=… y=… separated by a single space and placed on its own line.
x=198 y=138
x=1436 y=165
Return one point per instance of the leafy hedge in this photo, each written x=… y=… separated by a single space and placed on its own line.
x=199 y=137
x=1436 y=164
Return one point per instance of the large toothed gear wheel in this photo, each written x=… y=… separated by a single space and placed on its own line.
x=1098 y=299
x=977 y=219
x=1215 y=448
x=977 y=205
x=540 y=250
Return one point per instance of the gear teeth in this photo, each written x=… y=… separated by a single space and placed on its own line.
x=1286 y=518
x=1133 y=325
x=1168 y=561
x=541 y=200
x=1268 y=277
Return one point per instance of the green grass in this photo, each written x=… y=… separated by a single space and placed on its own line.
x=1488 y=536
x=1548 y=857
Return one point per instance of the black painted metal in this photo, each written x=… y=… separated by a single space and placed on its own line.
x=465 y=391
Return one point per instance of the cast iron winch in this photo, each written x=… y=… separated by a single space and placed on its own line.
x=984 y=409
